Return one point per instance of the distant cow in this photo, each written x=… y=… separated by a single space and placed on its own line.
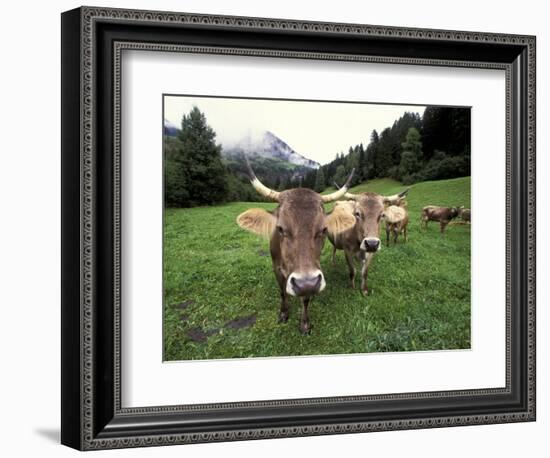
x=297 y=229
x=443 y=215
x=465 y=214
x=397 y=220
x=363 y=239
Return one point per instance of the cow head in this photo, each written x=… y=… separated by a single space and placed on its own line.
x=297 y=230
x=368 y=209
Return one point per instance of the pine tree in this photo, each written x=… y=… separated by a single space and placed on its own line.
x=340 y=175
x=362 y=171
x=383 y=153
x=176 y=181
x=195 y=173
x=412 y=143
x=411 y=157
x=320 y=180
x=372 y=155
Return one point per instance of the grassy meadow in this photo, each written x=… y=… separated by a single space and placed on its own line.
x=221 y=299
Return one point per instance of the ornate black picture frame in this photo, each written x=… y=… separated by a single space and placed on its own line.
x=92 y=42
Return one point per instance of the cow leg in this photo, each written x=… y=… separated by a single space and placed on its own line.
x=442 y=226
x=305 y=326
x=395 y=233
x=405 y=233
x=351 y=266
x=333 y=255
x=364 y=272
x=283 y=313
x=387 y=234
x=426 y=220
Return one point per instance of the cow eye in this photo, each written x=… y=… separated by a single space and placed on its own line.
x=284 y=232
x=358 y=214
x=322 y=232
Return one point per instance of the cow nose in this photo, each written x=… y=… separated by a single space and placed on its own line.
x=370 y=244
x=305 y=285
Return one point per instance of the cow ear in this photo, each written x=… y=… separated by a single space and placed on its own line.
x=340 y=220
x=258 y=221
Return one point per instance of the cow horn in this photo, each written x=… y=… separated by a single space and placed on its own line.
x=341 y=192
x=350 y=196
x=347 y=195
x=396 y=196
x=259 y=186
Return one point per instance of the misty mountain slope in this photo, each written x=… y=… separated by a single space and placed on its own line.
x=268 y=145
x=170 y=129
x=272 y=159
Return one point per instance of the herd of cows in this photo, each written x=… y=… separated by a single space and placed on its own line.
x=298 y=227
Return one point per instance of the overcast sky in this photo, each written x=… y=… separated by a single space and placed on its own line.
x=316 y=130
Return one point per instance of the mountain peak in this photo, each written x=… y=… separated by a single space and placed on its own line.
x=269 y=145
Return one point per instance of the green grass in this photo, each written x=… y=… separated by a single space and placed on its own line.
x=419 y=291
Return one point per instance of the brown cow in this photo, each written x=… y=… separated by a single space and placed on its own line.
x=363 y=239
x=443 y=215
x=397 y=220
x=297 y=229
x=465 y=214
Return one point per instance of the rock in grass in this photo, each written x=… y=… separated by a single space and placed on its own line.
x=200 y=335
x=242 y=322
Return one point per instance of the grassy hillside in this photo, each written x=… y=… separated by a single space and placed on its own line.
x=222 y=300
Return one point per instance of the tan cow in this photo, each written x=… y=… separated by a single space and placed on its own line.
x=296 y=229
x=465 y=214
x=363 y=239
x=397 y=220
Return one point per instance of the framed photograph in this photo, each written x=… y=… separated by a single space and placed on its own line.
x=276 y=228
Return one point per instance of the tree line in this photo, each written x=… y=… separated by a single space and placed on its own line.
x=415 y=148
